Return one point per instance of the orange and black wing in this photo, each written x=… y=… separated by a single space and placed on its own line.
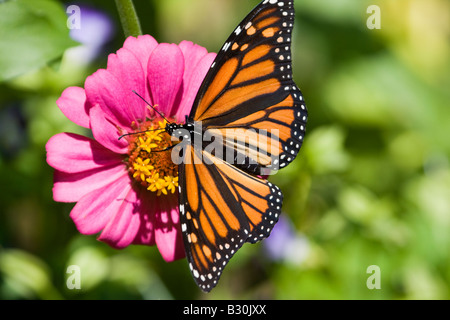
x=250 y=86
x=221 y=208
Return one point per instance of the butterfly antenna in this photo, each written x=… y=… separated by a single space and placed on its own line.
x=151 y=106
x=131 y=133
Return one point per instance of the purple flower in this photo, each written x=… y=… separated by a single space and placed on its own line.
x=93 y=30
x=285 y=244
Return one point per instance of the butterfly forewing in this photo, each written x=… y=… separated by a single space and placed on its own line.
x=250 y=83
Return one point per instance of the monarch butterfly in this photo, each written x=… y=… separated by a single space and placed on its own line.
x=249 y=86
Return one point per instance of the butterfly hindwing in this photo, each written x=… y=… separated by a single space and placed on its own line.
x=221 y=207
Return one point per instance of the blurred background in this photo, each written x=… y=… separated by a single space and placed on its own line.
x=371 y=185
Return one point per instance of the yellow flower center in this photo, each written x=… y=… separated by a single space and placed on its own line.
x=149 y=161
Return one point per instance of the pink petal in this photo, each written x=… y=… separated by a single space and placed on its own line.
x=193 y=80
x=74 y=106
x=115 y=100
x=167 y=229
x=192 y=54
x=165 y=75
x=147 y=206
x=142 y=47
x=106 y=132
x=71 y=153
x=71 y=187
x=95 y=209
x=126 y=67
x=124 y=224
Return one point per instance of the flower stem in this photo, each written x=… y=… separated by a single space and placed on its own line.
x=128 y=17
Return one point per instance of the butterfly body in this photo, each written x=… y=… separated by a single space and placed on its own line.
x=180 y=130
x=254 y=118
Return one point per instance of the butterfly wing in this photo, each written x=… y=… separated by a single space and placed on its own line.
x=221 y=207
x=250 y=86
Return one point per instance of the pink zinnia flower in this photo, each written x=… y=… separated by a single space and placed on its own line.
x=122 y=189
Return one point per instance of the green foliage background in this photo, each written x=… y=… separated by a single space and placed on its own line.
x=371 y=185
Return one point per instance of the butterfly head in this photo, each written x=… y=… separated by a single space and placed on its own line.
x=180 y=130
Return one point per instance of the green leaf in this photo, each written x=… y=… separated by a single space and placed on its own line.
x=26 y=275
x=32 y=34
